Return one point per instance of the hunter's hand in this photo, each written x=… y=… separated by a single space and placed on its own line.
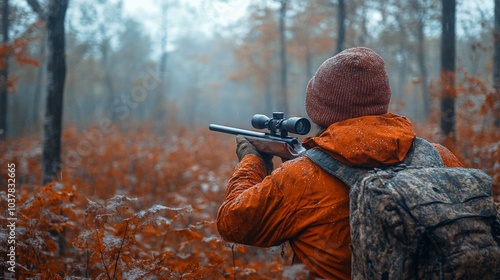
x=244 y=147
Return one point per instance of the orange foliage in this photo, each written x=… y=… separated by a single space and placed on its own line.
x=447 y=80
x=477 y=140
x=18 y=50
x=137 y=204
x=4 y=51
x=130 y=205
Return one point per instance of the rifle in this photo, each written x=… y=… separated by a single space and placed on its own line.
x=273 y=143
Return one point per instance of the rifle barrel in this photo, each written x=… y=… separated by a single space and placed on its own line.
x=235 y=131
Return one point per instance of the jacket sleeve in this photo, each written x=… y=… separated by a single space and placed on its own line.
x=252 y=212
x=449 y=159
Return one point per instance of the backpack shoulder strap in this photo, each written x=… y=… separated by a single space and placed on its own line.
x=347 y=174
x=421 y=154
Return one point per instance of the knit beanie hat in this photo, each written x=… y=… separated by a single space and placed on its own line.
x=351 y=84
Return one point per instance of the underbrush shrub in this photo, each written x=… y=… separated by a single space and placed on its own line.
x=130 y=205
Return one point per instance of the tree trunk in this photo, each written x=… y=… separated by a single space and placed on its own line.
x=309 y=66
x=38 y=84
x=496 y=64
x=423 y=68
x=105 y=47
x=56 y=72
x=284 y=99
x=4 y=71
x=341 y=25
x=162 y=90
x=448 y=70
x=364 y=26
x=403 y=46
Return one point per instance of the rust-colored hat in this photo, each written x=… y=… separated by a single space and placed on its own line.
x=351 y=84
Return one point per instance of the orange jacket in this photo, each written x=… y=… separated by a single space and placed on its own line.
x=302 y=204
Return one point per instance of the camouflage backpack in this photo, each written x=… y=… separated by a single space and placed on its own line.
x=419 y=219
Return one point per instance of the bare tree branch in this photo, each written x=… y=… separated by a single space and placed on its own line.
x=37 y=8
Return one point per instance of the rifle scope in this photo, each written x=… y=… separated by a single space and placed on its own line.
x=278 y=122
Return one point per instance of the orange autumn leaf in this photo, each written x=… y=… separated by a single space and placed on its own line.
x=188 y=234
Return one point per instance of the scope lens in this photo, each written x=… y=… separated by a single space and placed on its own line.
x=298 y=125
x=303 y=126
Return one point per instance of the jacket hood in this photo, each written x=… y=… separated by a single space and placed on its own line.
x=368 y=141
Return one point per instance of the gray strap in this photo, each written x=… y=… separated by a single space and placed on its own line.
x=347 y=174
x=421 y=154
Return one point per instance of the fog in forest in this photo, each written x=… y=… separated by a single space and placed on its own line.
x=198 y=62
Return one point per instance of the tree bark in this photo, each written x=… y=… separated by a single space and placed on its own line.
x=56 y=74
x=4 y=71
x=448 y=69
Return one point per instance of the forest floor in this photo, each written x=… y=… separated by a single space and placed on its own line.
x=135 y=204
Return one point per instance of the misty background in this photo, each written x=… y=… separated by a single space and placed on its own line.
x=192 y=63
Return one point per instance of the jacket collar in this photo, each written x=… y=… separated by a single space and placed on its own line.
x=368 y=141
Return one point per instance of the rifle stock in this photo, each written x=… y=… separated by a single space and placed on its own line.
x=283 y=147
